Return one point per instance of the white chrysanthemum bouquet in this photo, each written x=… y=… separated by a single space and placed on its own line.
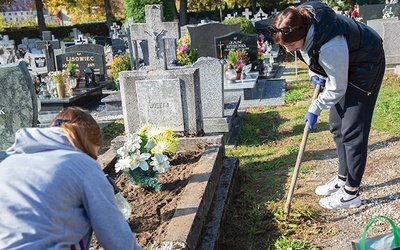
x=144 y=154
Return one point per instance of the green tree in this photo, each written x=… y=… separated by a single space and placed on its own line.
x=136 y=9
x=84 y=10
x=3 y=23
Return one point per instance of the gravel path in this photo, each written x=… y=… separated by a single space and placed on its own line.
x=380 y=192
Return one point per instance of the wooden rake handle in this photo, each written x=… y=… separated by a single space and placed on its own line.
x=299 y=157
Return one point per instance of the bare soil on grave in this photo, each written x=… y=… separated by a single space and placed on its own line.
x=152 y=211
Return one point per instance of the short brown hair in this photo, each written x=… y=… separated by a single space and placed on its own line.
x=289 y=18
x=81 y=129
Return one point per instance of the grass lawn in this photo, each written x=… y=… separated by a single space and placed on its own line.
x=267 y=149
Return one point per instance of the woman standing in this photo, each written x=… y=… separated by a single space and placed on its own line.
x=346 y=59
x=53 y=192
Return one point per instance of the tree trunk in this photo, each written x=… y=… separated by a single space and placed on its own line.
x=253 y=7
x=183 y=16
x=109 y=15
x=40 y=16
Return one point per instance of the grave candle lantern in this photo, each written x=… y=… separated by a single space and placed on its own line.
x=71 y=82
x=89 y=77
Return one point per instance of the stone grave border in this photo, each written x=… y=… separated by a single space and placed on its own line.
x=202 y=206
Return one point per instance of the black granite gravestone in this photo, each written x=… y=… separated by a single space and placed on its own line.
x=85 y=56
x=236 y=41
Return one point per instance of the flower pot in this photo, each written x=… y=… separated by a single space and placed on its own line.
x=60 y=90
x=238 y=75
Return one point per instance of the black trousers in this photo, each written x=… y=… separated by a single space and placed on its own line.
x=350 y=124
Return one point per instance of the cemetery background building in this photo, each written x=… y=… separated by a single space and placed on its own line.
x=21 y=10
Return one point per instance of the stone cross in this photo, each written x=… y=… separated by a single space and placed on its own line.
x=81 y=40
x=260 y=15
x=115 y=30
x=155 y=31
x=228 y=16
x=48 y=45
x=275 y=12
x=246 y=13
x=133 y=50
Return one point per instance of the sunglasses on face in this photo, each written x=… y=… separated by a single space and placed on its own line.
x=284 y=31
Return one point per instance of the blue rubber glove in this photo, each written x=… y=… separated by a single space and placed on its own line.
x=318 y=81
x=311 y=118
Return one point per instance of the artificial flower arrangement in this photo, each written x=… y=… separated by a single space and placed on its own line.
x=57 y=76
x=108 y=53
x=238 y=59
x=260 y=46
x=184 y=54
x=144 y=154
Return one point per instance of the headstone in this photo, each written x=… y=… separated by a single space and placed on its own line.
x=371 y=12
x=202 y=36
x=155 y=31
x=170 y=50
x=81 y=40
x=158 y=96
x=115 y=30
x=103 y=40
x=389 y=30
x=118 y=46
x=7 y=53
x=144 y=48
x=18 y=102
x=37 y=62
x=246 y=13
x=132 y=46
x=75 y=33
x=212 y=95
x=262 y=26
x=47 y=45
x=237 y=41
x=85 y=56
x=260 y=15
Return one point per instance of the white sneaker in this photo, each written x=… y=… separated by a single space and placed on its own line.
x=330 y=187
x=340 y=200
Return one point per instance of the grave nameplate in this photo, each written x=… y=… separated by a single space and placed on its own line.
x=18 y=102
x=202 y=36
x=85 y=56
x=237 y=41
x=163 y=108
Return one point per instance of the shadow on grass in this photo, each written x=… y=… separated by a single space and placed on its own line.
x=262 y=180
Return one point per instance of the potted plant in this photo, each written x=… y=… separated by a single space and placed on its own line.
x=238 y=59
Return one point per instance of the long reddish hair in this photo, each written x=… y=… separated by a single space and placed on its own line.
x=81 y=129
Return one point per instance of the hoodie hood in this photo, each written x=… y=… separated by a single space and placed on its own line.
x=33 y=140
